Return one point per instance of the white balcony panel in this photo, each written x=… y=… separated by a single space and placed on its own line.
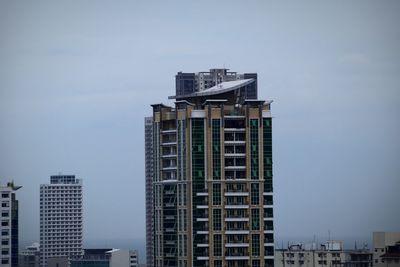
x=235 y=155
x=168 y=156
x=203 y=258
x=169 y=144
x=235 y=167
x=202 y=232
x=235 y=142
x=236 y=219
x=235 y=130
x=237 y=232
x=202 y=207
x=237 y=258
x=169 y=131
x=236 y=206
x=171 y=168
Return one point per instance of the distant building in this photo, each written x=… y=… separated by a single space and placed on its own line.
x=92 y=258
x=106 y=258
x=330 y=253
x=9 y=225
x=60 y=218
x=123 y=258
x=212 y=173
x=386 y=246
x=148 y=135
x=30 y=256
x=61 y=261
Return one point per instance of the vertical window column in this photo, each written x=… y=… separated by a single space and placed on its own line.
x=254 y=165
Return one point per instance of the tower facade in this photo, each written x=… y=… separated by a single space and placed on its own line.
x=9 y=226
x=148 y=133
x=60 y=218
x=212 y=176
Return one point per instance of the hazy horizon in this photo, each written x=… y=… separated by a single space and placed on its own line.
x=78 y=78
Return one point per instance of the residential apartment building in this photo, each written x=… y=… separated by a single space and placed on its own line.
x=330 y=254
x=61 y=218
x=148 y=128
x=386 y=249
x=9 y=225
x=212 y=173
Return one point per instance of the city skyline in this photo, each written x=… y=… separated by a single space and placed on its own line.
x=76 y=81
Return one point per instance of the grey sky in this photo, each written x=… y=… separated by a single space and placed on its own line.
x=77 y=78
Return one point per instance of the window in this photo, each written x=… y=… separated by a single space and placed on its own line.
x=216 y=194
x=255 y=196
x=255 y=245
x=217 y=219
x=217 y=245
x=5 y=195
x=255 y=219
x=4 y=223
x=4 y=242
x=254 y=149
x=5 y=204
x=216 y=151
x=5 y=214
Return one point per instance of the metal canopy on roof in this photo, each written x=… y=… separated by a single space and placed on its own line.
x=219 y=88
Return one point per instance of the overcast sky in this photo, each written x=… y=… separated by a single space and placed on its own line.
x=77 y=78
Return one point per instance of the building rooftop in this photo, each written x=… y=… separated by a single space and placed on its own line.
x=220 y=88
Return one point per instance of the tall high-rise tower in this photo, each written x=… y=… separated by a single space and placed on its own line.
x=9 y=225
x=148 y=133
x=212 y=173
x=60 y=218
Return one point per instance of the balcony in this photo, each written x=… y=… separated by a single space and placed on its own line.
x=236 y=219
x=237 y=258
x=203 y=232
x=170 y=131
x=238 y=194
x=237 y=232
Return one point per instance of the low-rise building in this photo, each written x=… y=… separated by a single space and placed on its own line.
x=330 y=253
x=30 y=256
x=105 y=257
